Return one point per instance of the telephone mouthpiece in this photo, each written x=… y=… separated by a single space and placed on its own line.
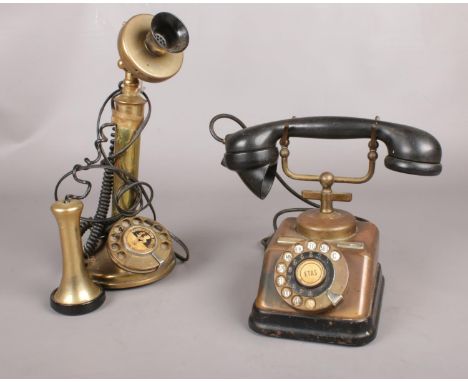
x=168 y=35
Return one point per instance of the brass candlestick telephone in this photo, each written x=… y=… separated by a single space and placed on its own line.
x=321 y=280
x=124 y=250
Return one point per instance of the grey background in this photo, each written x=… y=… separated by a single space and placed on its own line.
x=406 y=63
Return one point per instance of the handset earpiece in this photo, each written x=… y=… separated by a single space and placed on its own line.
x=256 y=168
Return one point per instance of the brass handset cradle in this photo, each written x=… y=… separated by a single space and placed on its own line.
x=327 y=179
x=123 y=250
x=321 y=280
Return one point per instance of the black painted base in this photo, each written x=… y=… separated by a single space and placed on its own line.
x=321 y=329
x=76 y=310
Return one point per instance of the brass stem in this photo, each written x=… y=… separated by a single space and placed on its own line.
x=326 y=201
x=128 y=116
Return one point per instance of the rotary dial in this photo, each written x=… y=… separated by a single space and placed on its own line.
x=139 y=244
x=311 y=276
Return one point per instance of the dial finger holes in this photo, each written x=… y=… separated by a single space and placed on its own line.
x=335 y=256
x=165 y=245
x=297 y=300
x=310 y=303
x=280 y=281
x=324 y=248
x=311 y=245
x=281 y=268
x=298 y=248
x=158 y=227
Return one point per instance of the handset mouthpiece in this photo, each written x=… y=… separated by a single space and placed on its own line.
x=412 y=167
x=167 y=35
x=151 y=47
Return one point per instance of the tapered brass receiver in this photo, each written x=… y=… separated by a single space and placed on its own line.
x=76 y=294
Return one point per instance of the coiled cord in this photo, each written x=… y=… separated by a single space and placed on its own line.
x=97 y=230
x=100 y=223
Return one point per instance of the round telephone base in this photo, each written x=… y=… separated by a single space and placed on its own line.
x=105 y=273
x=336 y=225
x=77 y=309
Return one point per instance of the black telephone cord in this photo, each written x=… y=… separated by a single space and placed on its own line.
x=100 y=223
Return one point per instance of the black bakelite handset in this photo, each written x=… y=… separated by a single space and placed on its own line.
x=253 y=154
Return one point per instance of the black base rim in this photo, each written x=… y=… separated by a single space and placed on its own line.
x=78 y=309
x=319 y=329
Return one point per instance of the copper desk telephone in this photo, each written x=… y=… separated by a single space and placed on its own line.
x=321 y=280
x=124 y=250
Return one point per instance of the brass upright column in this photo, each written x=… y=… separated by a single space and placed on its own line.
x=128 y=116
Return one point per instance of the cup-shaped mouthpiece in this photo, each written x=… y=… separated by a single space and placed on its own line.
x=168 y=34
